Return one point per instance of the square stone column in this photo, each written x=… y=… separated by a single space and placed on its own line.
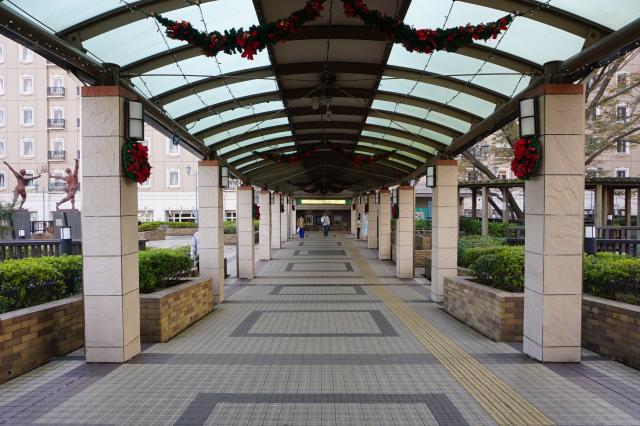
x=372 y=232
x=211 y=226
x=284 y=224
x=354 y=215
x=384 y=225
x=444 y=243
x=245 y=247
x=505 y=209
x=276 y=217
x=485 y=211
x=361 y=204
x=110 y=231
x=264 y=242
x=555 y=229
x=404 y=231
x=293 y=218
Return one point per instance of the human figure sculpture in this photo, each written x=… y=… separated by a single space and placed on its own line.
x=71 y=180
x=21 y=185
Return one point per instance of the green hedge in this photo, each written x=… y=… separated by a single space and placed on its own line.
x=612 y=276
x=502 y=268
x=470 y=226
x=423 y=224
x=472 y=241
x=181 y=225
x=152 y=226
x=149 y=226
x=30 y=282
x=230 y=226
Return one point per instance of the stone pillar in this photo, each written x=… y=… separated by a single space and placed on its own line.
x=354 y=214
x=264 y=242
x=361 y=205
x=110 y=231
x=505 y=209
x=627 y=206
x=384 y=225
x=405 y=231
x=276 y=218
x=284 y=220
x=474 y=203
x=485 y=211
x=211 y=226
x=245 y=247
x=372 y=234
x=555 y=230
x=609 y=203
x=601 y=216
x=444 y=242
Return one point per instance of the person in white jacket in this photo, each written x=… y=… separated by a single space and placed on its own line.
x=195 y=256
x=325 y=224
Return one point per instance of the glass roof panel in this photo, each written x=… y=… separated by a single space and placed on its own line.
x=256 y=140
x=421 y=113
x=59 y=15
x=416 y=130
x=218 y=95
x=143 y=39
x=551 y=43
x=403 y=141
x=234 y=114
x=501 y=79
x=197 y=68
x=238 y=157
x=240 y=130
x=439 y=94
x=612 y=14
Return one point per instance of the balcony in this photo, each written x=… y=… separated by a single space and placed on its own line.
x=55 y=123
x=55 y=91
x=57 y=186
x=57 y=155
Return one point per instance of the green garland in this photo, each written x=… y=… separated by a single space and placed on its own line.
x=259 y=37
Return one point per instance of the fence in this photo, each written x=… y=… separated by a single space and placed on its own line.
x=22 y=249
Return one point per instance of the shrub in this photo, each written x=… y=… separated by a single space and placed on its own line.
x=149 y=226
x=612 y=276
x=229 y=226
x=181 y=225
x=468 y=242
x=503 y=269
x=29 y=282
x=470 y=226
x=472 y=254
x=71 y=269
x=162 y=268
x=423 y=224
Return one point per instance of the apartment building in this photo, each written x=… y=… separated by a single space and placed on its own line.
x=40 y=130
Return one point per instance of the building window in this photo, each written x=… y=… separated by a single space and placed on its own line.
x=147 y=142
x=26 y=116
x=1 y=53
x=57 y=145
x=3 y=151
x=26 y=55
x=145 y=185
x=621 y=112
x=1 y=117
x=622 y=172
x=621 y=79
x=26 y=148
x=1 y=85
x=622 y=147
x=57 y=81
x=230 y=215
x=26 y=85
x=172 y=150
x=57 y=113
x=173 y=178
x=145 y=215
x=3 y=180
x=30 y=173
x=77 y=90
x=181 y=216
x=78 y=122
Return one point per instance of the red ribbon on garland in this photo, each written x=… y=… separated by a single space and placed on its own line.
x=359 y=160
x=526 y=158
x=291 y=159
x=260 y=36
x=135 y=161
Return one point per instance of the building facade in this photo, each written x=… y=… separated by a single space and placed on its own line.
x=40 y=131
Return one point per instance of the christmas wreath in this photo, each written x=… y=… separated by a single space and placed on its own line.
x=256 y=212
x=395 y=213
x=135 y=161
x=260 y=36
x=526 y=158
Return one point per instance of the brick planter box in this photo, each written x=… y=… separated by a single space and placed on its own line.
x=155 y=235
x=180 y=232
x=230 y=239
x=421 y=256
x=497 y=314
x=611 y=329
x=166 y=313
x=30 y=337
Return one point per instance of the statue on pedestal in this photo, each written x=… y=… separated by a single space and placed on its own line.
x=71 y=180
x=21 y=185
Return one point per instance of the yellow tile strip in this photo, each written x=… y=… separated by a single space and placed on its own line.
x=502 y=402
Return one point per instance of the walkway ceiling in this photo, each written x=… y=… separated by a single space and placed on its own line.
x=335 y=83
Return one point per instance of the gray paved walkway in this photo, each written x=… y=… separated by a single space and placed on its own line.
x=326 y=335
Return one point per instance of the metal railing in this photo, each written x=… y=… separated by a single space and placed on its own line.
x=56 y=123
x=57 y=155
x=41 y=226
x=55 y=91
x=22 y=249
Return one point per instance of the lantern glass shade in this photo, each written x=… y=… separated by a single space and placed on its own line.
x=589 y=231
x=431 y=177
x=528 y=126
x=65 y=233
x=224 y=177
x=135 y=121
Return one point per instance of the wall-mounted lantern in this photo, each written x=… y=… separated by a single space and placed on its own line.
x=224 y=176
x=135 y=121
x=431 y=177
x=528 y=118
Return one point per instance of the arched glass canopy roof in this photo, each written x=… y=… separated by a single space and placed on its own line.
x=382 y=98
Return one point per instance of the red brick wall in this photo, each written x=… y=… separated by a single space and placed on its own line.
x=30 y=337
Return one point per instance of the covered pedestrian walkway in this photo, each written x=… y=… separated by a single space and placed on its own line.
x=326 y=334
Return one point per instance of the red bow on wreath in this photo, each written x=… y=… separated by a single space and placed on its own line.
x=526 y=158
x=135 y=160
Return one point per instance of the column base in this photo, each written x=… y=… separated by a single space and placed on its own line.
x=551 y=353
x=114 y=355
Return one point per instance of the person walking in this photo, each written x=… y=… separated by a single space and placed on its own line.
x=301 y=226
x=325 y=224
x=358 y=226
